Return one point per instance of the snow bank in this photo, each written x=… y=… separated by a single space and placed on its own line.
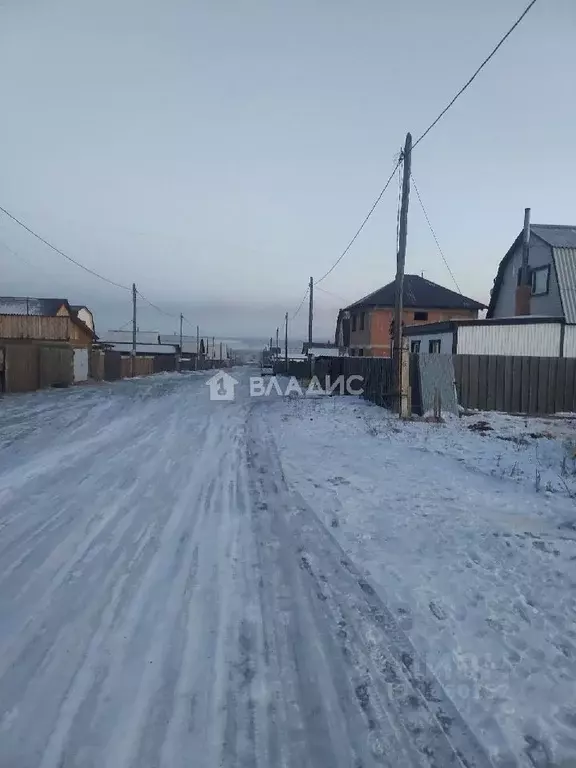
x=469 y=535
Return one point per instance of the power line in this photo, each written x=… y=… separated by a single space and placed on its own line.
x=476 y=73
x=426 y=132
x=334 y=295
x=300 y=305
x=156 y=307
x=361 y=227
x=434 y=233
x=65 y=255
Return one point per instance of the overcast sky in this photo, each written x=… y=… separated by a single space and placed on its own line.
x=220 y=152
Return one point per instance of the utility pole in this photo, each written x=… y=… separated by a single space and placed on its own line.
x=220 y=353
x=180 y=358
x=286 y=342
x=310 y=311
x=213 y=349
x=277 y=343
x=133 y=356
x=400 y=262
x=197 y=345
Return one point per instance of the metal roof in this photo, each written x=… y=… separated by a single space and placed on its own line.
x=565 y=263
x=26 y=305
x=145 y=349
x=174 y=338
x=125 y=337
x=556 y=235
x=419 y=293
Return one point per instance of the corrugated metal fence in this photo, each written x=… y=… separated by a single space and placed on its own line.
x=377 y=374
x=531 y=385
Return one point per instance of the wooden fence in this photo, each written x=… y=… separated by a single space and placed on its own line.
x=531 y=385
x=28 y=367
x=34 y=327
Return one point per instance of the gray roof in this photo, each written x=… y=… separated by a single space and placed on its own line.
x=24 y=305
x=146 y=349
x=556 y=235
x=419 y=293
x=125 y=337
x=174 y=338
x=565 y=264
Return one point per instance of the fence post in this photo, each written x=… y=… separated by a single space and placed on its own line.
x=404 y=380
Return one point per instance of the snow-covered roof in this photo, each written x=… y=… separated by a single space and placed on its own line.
x=324 y=351
x=145 y=349
x=27 y=305
x=125 y=337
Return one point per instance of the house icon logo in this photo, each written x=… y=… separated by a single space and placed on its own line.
x=222 y=386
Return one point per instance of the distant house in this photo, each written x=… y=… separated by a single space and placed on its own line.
x=365 y=327
x=320 y=349
x=552 y=275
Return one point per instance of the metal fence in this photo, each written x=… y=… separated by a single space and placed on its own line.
x=377 y=374
x=531 y=385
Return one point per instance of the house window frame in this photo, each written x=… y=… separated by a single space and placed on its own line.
x=421 y=319
x=362 y=321
x=533 y=274
x=353 y=323
x=361 y=352
x=432 y=350
x=415 y=347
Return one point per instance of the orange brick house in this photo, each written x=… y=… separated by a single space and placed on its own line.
x=364 y=328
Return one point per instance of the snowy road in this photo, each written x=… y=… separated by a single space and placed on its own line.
x=168 y=599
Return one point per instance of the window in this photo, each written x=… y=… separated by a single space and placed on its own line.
x=420 y=315
x=434 y=345
x=540 y=280
x=353 y=322
x=352 y=353
x=415 y=347
x=360 y=352
x=362 y=318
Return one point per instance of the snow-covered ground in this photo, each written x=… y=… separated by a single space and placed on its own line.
x=281 y=582
x=470 y=537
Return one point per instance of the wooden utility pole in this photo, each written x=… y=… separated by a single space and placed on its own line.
x=197 y=345
x=310 y=311
x=277 y=355
x=286 y=342
x=220 y=352
x=213 y=349
x=133 y=355
x=400 y=262
x=180 y=357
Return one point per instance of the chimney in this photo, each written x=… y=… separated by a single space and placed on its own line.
x=524 y=289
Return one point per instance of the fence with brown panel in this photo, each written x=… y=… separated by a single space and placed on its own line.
x=34 y=366
x=56 y=366
x=531 y=385
x=96 y=364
